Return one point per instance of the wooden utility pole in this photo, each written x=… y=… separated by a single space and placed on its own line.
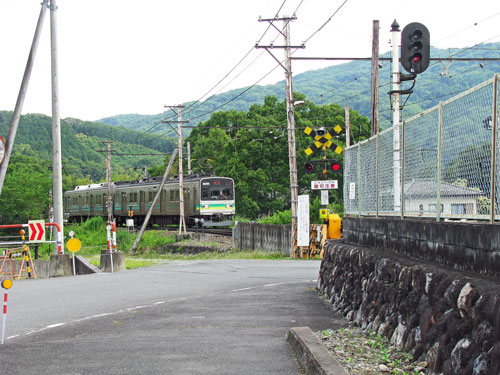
x=14 y=122
x=179 y=122
x=290 y=109
x=375 y=61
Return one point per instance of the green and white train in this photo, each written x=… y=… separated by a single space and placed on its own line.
x=207 y=200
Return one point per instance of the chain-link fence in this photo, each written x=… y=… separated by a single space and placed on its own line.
x=439 y=163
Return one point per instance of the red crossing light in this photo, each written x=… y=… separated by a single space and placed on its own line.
x=309 y=167
x=336 y=167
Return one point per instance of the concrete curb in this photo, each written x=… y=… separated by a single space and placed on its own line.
x=312 y=355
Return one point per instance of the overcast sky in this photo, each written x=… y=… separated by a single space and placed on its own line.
x=135 y=56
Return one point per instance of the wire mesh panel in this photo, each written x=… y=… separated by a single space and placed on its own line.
x=465 y=185
x=497 y=152
x=386 y=173
x=421 y=164
x=368 y=182
x=459 y=187
x=351 y=180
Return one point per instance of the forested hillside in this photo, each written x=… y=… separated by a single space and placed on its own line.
x=26 y=189
x=347 y=84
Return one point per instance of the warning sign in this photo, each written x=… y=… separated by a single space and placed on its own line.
x=36 y=231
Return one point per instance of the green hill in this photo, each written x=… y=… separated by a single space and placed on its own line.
x=345 y=84
x=82 y=141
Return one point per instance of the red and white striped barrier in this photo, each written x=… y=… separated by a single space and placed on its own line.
x=6 y=284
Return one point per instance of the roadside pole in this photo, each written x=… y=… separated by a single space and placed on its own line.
x=6 y=284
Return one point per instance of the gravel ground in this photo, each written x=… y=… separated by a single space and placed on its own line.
x=361 y=353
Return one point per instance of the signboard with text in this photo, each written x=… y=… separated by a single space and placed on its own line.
x=324 y=184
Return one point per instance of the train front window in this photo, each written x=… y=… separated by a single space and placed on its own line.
x=216 y=193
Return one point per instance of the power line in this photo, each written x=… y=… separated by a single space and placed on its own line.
x=327 y=21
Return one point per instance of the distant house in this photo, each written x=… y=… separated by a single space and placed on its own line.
x=420 y=198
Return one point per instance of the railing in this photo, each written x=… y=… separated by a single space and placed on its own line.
x=441 y=163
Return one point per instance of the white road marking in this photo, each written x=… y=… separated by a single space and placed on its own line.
x=128 y=309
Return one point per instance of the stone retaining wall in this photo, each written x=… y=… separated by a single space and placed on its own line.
x=449 y=319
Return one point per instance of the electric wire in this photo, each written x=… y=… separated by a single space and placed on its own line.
x=187 y=110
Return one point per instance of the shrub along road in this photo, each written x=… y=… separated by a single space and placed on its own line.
x=186 y=317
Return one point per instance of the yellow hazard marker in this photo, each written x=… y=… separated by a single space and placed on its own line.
x=6 y=283
x=323 y=213
x=74 y=245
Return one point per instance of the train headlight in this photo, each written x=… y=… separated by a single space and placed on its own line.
x=206 y=206
x=229 y=205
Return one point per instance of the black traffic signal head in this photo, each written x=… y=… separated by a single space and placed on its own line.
x=335 y=167
x=415 y=48
x=309 y=167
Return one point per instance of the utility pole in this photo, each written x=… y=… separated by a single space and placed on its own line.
x=56 y=124
x=108 y=179
x=14 y=122
x=290 y=109
x=396 y=116
x=179 y=122
x=375 y=59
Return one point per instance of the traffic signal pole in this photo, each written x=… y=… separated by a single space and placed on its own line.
x=396 y=116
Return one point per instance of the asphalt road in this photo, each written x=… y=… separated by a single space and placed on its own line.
x=199 y=317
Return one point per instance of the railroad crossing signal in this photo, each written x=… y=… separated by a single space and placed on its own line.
x=323 y=139
x=415 y=48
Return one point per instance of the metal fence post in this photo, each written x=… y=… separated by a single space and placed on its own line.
x=440 y=138
x=494 y=148
x=378 y=174
x=359 y=180
x=403 y=170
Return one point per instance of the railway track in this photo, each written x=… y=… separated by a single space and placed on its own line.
x=227 y=232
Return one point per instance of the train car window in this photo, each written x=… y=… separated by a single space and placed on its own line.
x=133 y=197
x=205 y=193
x=75 y=201
x=177 y=195
x=79 y=200
x=98 y=199
x=150 y=196
x=187 y=194
x=164 y=195
x=87 y=199
x=172 y=195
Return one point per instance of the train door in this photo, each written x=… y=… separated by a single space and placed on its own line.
x=142 y=202
x=194 y=202
x=92 y=204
